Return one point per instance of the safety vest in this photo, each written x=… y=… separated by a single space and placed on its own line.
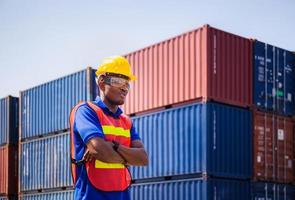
x=105 y=176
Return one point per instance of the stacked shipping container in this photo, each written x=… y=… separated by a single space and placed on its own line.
x=273 y=147
x=9 y=121
x=208 y=139
x=274 y=90
x=196 y=189
x=274 y=79
x=44 y=135
x=8 y=147
x=204 y=64
x=192 y=105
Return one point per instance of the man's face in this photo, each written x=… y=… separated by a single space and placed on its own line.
x=115 y=89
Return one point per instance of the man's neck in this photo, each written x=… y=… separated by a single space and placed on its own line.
x=113 y=108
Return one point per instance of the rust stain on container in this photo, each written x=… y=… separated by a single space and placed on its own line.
x=205 y=63
x=8 y=170
x=273 y=148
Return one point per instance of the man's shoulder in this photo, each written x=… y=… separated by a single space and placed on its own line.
x=84 y=109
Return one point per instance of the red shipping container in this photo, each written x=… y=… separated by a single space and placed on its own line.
x=8 y=170
x=204 y=64
x=273 y=148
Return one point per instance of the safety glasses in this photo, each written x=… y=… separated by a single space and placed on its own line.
x=117 y=82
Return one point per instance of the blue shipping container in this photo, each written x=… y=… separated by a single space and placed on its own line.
x=194 y=189
x=274 y=79
x=207 y=138
x=8 y=198
x=264 y=190
x=59 y=195
x=45 y=163
x=46 y=108
x=9 y=120
x=197 y=189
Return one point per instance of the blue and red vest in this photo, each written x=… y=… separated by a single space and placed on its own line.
x=105 y=176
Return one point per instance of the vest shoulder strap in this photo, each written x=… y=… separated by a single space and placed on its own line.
x=72 y=145
x=97 y=109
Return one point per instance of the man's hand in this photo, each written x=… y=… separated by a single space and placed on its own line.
x=135 y=155
x=87 y=156
x=102 y=150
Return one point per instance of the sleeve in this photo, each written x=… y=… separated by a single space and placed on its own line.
x=134 y=134
x=87 y=123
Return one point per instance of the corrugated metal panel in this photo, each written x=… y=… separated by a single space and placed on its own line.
x=285 y=149
x=3 y=170
x=8 y=120
x=196 y=189
x=274 y=79
x=273 y=148
x=60 y=195
x=45 y=108
x=201 y=138
x=45 y=163
x=192 y=190
x=8 y=198
x=204 y=63
x=8 y=170
x=263 y=190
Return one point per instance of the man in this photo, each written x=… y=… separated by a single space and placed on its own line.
x=103 y=140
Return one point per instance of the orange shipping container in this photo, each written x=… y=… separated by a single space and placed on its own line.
x=273 y=148
x=8 y=170
x=205 y=63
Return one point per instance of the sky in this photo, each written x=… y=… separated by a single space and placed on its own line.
x=43 y=40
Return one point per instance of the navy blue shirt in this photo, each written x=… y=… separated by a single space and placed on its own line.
x=87 y=126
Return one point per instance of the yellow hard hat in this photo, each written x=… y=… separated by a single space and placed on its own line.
x=116 y=65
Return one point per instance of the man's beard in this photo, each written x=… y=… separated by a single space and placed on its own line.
x=118 y=103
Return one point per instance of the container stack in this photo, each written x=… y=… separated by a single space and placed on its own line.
x=8 y=147
x=44 y=160
x=191 y=106
x=213 y=110
x=213 y=105
x=273 y=127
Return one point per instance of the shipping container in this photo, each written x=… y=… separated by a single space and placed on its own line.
x=195 y=189
x=274 y=78
x=273 y=147
x=45 y=163
x=8 y=120
x=199 y=139
x=207 y=138
x=275 y=191
x=8 y=170
x=8 y=197
x=205 y=63
x=58 y=195
x=46 y=108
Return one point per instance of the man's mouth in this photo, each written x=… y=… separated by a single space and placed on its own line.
x=123 y=95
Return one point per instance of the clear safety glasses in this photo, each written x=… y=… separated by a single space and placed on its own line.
x=117 y=82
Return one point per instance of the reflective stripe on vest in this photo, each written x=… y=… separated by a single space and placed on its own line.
x=110 y=176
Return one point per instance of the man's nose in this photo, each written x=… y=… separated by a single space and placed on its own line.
x=124 y=89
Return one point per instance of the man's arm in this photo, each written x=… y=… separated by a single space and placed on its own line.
x=136 y=155
x=90 y=130
x=102 y=150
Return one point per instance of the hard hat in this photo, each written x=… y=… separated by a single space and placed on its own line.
x=116 y=65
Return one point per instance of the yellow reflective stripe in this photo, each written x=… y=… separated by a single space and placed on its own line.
x=118 y=131
x=100 y=164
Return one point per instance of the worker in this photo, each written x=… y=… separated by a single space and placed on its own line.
x=104 y=141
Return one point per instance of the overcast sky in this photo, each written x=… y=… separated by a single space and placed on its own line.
x=41 y=40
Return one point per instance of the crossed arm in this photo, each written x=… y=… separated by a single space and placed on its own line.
x=98 y=148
